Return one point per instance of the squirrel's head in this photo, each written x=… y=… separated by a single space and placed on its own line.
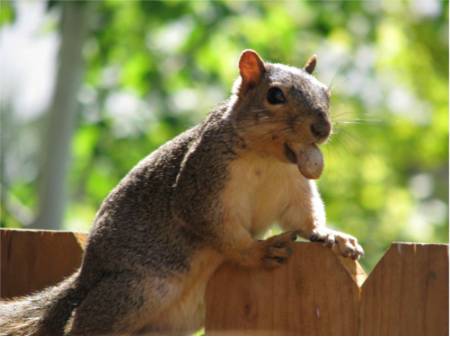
x=277 y=105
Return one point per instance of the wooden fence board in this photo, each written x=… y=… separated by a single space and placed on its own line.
x=32 y=260
x=407 y=292
x=314 y=294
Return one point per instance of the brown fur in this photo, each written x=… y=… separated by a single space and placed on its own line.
x=200 y=199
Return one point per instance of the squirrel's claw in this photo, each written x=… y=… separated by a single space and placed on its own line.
x=278 y=249
x=341 y=243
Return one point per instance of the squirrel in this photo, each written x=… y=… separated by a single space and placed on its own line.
x=203 y=198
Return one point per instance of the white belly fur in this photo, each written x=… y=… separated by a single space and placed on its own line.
x=259 y=190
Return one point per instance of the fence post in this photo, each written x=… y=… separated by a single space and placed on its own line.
x=313 y=294
x=34 y=259
x=407 y=292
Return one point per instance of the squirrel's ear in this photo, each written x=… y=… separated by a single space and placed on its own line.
x=251 y=68
x=311 y=64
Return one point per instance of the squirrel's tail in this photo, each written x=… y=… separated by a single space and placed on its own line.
x=43 y=313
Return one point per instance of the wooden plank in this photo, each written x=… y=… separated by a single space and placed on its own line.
x=313 y=294
x=32 y=260
x=407 y=292
x=316 y=293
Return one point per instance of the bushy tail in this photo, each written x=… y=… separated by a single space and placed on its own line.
x=43 y=313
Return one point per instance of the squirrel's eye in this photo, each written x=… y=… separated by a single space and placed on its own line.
x=275 y=96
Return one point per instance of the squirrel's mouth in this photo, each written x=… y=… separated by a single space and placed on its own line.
x=290 y=154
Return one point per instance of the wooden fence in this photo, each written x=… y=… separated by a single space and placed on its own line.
x=316 y=293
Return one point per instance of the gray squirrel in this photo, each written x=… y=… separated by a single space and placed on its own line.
x=203 y=198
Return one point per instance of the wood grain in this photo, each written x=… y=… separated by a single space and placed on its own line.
x=314 y=294
x=32 y=260
x=407 y=292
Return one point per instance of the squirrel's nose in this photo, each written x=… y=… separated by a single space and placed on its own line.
x=321 y=129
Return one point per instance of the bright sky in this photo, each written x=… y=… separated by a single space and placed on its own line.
x=28 y=49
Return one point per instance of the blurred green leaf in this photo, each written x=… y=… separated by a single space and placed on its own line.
x=388 y=68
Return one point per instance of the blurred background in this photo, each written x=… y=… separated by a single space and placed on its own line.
x=90 y=88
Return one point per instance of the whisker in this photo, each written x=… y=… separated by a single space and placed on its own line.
x=356 y=143
x=357 y=121
x=330 y=86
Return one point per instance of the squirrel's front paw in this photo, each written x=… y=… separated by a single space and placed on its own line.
x=341 y=243
x=278 y=249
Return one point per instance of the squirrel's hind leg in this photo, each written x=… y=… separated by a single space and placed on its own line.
x=121 y=304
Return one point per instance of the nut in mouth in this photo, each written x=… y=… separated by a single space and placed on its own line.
x=307 y=157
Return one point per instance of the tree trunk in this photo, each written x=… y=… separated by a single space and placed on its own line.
x=61 y=117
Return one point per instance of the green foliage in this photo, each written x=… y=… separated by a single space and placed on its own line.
x=154 y=69
x=7 y=13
